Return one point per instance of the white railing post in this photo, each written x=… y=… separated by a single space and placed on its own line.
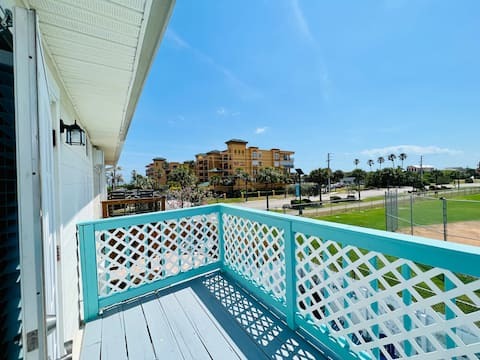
x=290 y=277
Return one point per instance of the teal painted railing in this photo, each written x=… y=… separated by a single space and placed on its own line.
x=358 y=293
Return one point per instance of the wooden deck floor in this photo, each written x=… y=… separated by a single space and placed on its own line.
x=207 y=318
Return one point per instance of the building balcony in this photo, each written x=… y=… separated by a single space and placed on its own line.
x=224 y=282
x=287 y=163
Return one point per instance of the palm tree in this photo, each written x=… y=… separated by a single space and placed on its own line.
x=319 y=176
x=359 y=176
x=243 y=175
x=392 y=158
x=370 y=163
x=356 y=162
x=114 y=176
x=381 y=160
x=269 y=176
x=402 y=157
x=214 y=181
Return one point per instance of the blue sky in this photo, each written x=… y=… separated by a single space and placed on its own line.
x=359 y=79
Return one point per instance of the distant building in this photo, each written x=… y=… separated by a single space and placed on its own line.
x=348 y=180
x=418 y=168
x=238 y=156
x=159 y=169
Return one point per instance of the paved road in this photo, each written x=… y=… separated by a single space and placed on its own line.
x=277 y=203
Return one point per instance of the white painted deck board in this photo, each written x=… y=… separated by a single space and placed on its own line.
x=214 y=338
x=165 y=344
x=206 y=318
x=113 y=337
x=187 y=338
x=92 y=341
x=136 y=333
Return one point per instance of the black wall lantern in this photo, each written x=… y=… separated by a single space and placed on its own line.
x=75 y=135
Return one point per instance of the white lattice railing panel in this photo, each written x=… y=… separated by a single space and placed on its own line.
x=256 y=251
x=385 y=306
x=128 y=257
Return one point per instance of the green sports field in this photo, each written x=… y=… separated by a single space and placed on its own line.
x=425 y=212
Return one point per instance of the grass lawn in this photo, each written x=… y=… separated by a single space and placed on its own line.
x=225 y=201
x=426 y=212
x=370 y=218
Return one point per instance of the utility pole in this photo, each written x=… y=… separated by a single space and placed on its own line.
x=421 y=170
x=328 y=166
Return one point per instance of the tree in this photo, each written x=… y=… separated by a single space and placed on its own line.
x=214 y=181
x=370 y=163
x=269 y=176
x=338 y=175
x=435 y=174
x=359 y=176
x=402 y=157
x=356 y=162
x=392 y=158
x=243 y=175
x=320 y=177
x=114 y=176
x=381 y=160
x=184 y=178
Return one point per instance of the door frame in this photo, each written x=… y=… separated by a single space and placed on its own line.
x=28 y=185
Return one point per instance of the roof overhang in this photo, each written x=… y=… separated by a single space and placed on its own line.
x=102 y=51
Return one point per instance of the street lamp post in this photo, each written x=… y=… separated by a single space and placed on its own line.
x=300 y=173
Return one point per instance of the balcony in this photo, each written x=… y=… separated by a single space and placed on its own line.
x=287 y=163
x=224 y=282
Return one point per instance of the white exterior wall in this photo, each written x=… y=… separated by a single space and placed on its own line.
x=77 y=199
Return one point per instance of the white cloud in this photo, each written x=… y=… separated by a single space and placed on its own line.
x=303 y=29
x=260 y=130
x=410 y=150
x=222 y=111
x=245 y=90
x=301 y=22
x=172 y=35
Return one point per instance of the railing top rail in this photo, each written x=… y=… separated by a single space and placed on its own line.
x=453 y=256
x=132 y=200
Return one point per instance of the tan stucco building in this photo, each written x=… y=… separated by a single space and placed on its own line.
x=238 y=156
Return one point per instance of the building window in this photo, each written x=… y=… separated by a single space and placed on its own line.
x=276 y=156
x=254 y=155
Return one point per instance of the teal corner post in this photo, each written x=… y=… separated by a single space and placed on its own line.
x=290 y=277
x=88 y=261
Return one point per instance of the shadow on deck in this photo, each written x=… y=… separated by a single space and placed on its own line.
x=210 y=317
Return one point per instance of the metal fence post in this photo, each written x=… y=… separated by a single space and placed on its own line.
x=444 y=200
x=411 y=214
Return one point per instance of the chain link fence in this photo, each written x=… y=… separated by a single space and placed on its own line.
x=448 y=216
